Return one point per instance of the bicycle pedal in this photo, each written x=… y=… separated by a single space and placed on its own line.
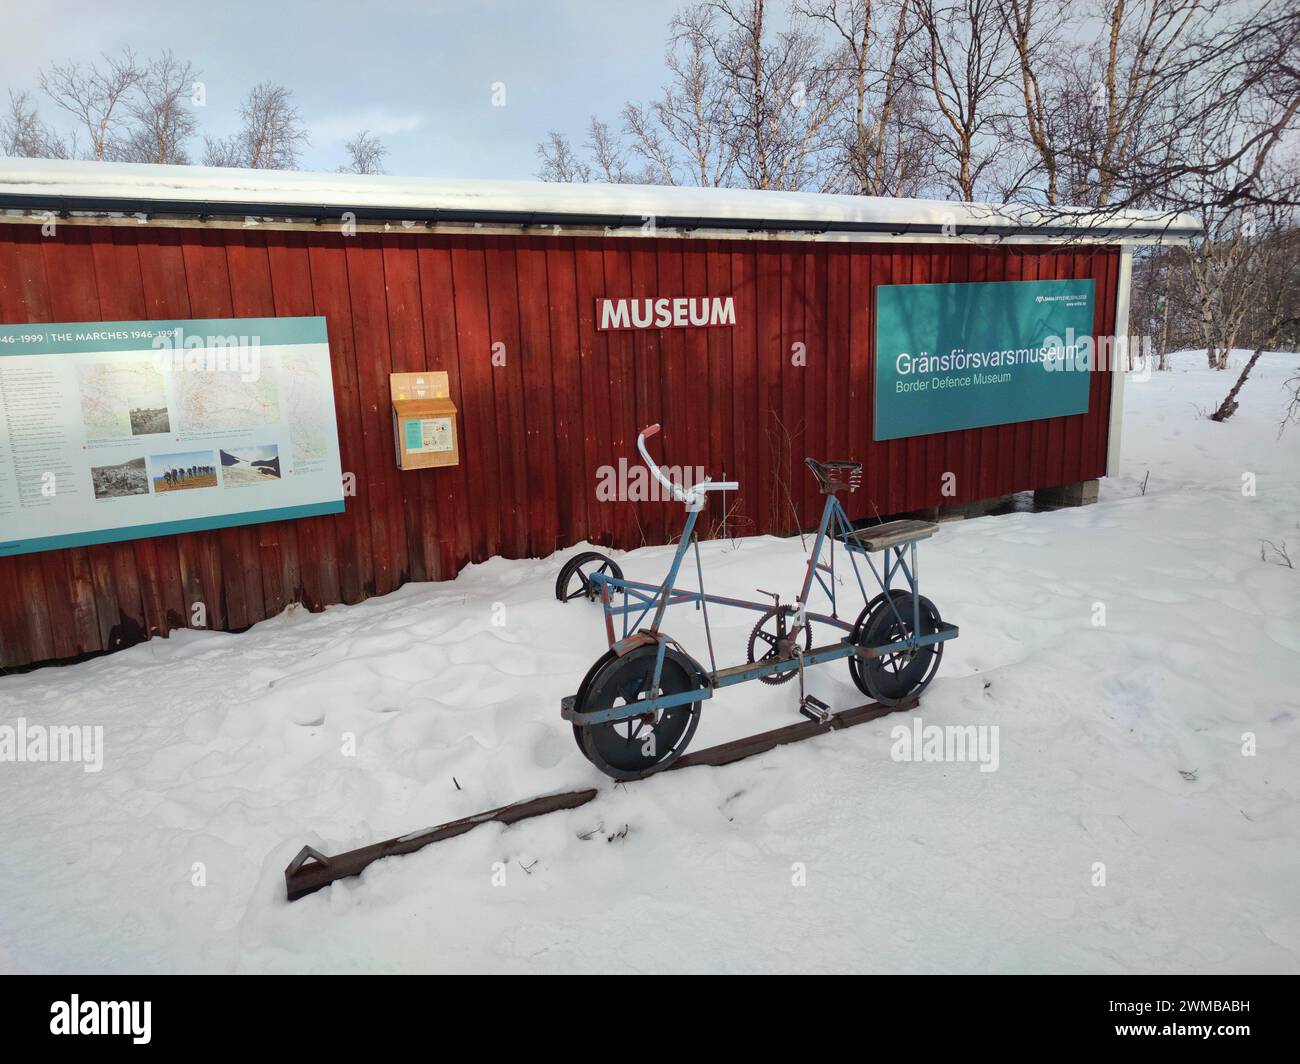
x=815 y=709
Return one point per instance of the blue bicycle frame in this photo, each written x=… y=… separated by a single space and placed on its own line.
x=638 y=599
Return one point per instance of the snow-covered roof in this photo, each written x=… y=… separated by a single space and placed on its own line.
x=213 y=193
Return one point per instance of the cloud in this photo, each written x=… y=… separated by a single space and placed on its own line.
x=381 y=122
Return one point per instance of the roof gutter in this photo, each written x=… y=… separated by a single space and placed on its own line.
x=205 y=210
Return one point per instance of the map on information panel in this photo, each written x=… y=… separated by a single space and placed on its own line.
x=122 y=430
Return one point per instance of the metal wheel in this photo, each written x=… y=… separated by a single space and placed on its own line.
x=772 y=628
x=900 y=675
x=632 y=749
x=573 y=581
x=580 y=699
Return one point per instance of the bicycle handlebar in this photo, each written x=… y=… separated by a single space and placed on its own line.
x=692 y=496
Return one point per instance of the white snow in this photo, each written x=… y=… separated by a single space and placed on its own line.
x=220 y=185
x=225 y=751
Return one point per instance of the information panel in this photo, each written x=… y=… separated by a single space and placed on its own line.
x=963 y=356
x=121 y=430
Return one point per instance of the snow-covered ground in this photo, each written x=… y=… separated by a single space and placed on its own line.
x=1119 y=745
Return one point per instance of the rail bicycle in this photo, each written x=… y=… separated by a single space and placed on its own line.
x=638 y=706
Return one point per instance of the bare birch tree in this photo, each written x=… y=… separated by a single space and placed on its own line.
x=1163 y=301
x=24 y=135
x=1036 y=30
x=746 y=104
x=1135 y=83
x=1276 y=263
x=608 y=154
x=96 y=95
x=1223 y=267
x=560 y=162
x=685 y=133
x=967 y=65
x=270 y=136
x=1190 y=101
x=874 y=155
x=162 y=116
x=366 y=154
x=784 y=95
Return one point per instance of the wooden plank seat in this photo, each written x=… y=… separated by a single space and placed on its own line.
x=890 y=534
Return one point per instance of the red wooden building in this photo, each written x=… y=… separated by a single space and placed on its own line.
x=417 y=275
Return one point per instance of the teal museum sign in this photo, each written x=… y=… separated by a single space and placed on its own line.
x=964 y=356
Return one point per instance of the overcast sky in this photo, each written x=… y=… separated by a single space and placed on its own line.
x=418 y=74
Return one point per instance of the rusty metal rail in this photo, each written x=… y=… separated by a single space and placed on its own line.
x=311 y=870
x=737 y=749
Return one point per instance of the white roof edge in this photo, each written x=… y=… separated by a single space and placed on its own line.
x=55 y=180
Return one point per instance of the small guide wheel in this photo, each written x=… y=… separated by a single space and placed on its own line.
x=901 y=674
x=772 y=629
x=639 y=746
x=574 y=579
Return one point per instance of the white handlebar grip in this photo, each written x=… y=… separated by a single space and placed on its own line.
x=674 y=490
x=655 y=471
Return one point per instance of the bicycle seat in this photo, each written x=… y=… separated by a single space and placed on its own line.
x=836 y=476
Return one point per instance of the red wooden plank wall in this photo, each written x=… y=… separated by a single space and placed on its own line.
x=568 y=400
